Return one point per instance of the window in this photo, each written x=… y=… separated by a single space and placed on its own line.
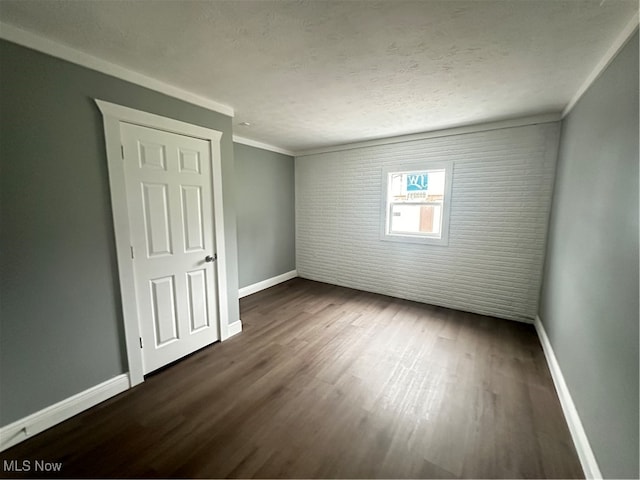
x=416 y=203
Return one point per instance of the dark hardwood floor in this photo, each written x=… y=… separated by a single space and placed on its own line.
x=329 y=382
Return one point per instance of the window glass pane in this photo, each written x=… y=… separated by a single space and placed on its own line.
x=420 y=186
x=416 y=219
x=415 y=204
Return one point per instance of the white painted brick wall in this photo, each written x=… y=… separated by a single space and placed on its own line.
x=501 y=196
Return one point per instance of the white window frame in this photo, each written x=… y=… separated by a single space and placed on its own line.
x=385 y=221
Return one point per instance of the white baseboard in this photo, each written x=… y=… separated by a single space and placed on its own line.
x=35 y=423
x=579 y=436
x=234 y=328
x=269 y=282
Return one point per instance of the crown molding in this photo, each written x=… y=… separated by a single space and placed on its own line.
x=58 y=50
x=473 y=128
x=263 y=146
x=622 y=39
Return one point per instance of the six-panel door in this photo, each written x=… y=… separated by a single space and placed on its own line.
x=169 y=197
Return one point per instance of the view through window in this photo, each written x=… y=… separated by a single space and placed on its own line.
x=415 y=203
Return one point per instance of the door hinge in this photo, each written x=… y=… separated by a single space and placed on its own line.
x=122 y=151
x=132 y=255
x=140 y=342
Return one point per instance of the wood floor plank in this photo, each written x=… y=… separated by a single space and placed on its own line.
x=329 y=382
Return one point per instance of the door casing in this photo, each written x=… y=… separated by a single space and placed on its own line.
x=112 y=116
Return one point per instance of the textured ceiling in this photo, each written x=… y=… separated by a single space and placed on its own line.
x=308 y=74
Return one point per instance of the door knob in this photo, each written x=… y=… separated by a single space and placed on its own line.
x=210 y=259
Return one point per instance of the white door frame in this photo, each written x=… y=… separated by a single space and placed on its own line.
x=112 y=116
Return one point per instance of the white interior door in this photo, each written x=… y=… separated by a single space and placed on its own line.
x=170 y=207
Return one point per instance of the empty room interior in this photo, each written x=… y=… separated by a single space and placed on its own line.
x=319 y=239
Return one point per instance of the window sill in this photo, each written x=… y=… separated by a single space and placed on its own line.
x=440 y=241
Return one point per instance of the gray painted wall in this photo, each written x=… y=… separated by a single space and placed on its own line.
x=266 y=214
x=61 y=323
x=589 y=302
